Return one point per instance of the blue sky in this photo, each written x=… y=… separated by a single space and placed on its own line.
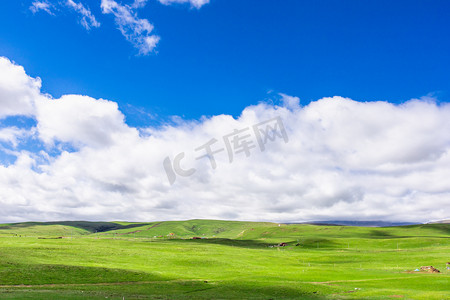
x=105 y=106
x=229 y=54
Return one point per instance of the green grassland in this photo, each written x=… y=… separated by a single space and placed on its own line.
x=233 y=260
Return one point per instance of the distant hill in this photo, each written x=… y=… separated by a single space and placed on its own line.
x=440 y=222
x=63 y=228
x=362 y=223
x=218 y=229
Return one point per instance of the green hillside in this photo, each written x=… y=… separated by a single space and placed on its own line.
x=232 y=260
x=67 y=228
x=191 y=228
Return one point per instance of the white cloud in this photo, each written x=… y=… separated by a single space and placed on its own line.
x=139 y=3
x=12 y=135
x=194 y=3
x=290 y=101
x=135 y=30
x=37 y=6
x=344 y=160
x=87 y=18
x=18 y=91
x=79 y=120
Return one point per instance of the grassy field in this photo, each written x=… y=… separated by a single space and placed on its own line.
x=233 y=260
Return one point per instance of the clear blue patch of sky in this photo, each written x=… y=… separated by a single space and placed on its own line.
x=21 y=122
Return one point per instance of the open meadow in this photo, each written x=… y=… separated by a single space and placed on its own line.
x=227 y=260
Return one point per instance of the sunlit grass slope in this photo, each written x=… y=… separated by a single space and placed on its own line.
x=234 y=260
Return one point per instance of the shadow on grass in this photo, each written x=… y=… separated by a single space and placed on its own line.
x=385 y=234
x=42 y=274
x=444 y=228
x=174 y=289
x=226 y=242
x=309 y=243
x=61 y=280
x=314 y=243
x=255 y=290
x=378 y=233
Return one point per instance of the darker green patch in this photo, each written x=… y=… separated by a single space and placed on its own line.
x=227 y=242
x=317 y=243
x=378 y=233
x=34 y=274
x=177 y=289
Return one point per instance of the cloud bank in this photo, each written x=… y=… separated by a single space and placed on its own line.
x=75 y=158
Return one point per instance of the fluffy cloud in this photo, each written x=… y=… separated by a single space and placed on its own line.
x=343 y=160
x=17 y=90
x=79 y=120
x=87 y=18
x=135 y=30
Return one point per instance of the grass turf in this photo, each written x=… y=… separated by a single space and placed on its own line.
x=235 y=260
